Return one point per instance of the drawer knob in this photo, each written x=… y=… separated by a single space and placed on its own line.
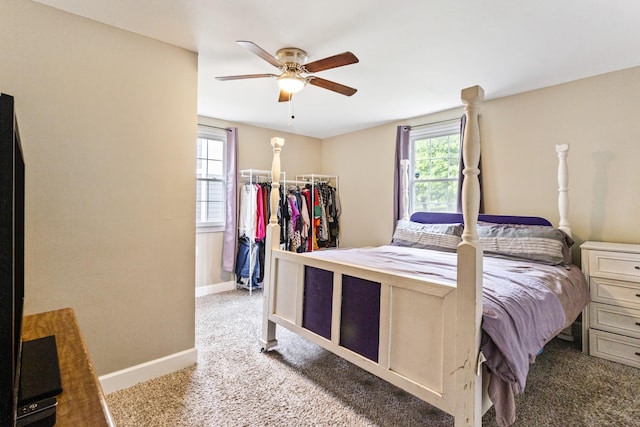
x=637 y=353
x=637 y=267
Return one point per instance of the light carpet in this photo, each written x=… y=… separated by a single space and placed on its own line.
x=300 y=384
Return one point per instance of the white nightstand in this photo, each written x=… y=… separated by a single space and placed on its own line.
x=611 y=322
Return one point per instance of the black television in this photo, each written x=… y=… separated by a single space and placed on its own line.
x=12 y=192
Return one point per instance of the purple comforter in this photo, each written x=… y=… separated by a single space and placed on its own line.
x=525 y=304
x=519 y=315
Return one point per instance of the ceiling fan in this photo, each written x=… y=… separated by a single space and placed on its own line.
x=294 y=70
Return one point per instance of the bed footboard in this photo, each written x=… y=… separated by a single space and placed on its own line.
x=409 y=341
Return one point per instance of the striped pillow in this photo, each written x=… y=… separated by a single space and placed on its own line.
x=542 y=244
x=443 y=237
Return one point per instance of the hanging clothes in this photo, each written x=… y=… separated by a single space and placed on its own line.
x=306 y=195
x=252 y=215
x=283 y=218
x=333 y=216
x=266 y=213
x=248 y=270
x=295 y=239
x=261 y=230
x=305 y=222
x=266 y=201
x=315 y=225
x=328 y=229
x=248 y=212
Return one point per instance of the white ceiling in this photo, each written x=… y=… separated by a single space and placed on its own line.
x=415 y=55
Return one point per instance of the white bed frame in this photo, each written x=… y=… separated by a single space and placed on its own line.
x=437 y=357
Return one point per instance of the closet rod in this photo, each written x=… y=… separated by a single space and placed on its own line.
x=255 y=172
x=260 y=174
x=315 y=175
x=293 y=181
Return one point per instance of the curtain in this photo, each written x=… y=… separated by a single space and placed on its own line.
x=230 y=239
x=463 y=123
x=402 y=152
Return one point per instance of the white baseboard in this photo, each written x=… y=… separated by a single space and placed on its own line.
x=214 y=289
x=146 y=371
x=165 y=365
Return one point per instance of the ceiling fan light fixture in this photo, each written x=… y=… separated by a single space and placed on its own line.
x=295 y=70
x=291 y=82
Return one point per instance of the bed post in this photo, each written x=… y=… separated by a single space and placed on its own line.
x=404 y=179
x=272 y=241
x=563 y=187
x=468 y=402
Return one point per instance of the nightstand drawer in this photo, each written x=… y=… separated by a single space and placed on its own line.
x=615 y=265
x=611 y=318
x=617 y=348
x=616 y=292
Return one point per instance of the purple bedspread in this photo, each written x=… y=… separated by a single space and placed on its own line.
x=525 y=304
x=519 y=313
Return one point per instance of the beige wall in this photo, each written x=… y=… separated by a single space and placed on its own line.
x=596 y=116
x=108 y=124
x=300 y=155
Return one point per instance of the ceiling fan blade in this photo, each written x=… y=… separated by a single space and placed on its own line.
x=245 y=76
x=285 y=96
x=334 y=61
x=336 y=87
x=261 y=53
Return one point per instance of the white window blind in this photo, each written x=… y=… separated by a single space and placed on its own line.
x=434 y=167
x=210 y=174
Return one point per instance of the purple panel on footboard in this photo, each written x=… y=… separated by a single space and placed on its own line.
x=318 y=301
x=360 y=316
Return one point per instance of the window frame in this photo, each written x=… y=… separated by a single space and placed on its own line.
x=214 y=134
x=433 y=130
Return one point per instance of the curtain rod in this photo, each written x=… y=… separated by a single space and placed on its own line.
x=214 y=127
x=433 y=123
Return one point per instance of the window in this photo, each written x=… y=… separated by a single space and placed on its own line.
x=434 y=167
x=210 y=173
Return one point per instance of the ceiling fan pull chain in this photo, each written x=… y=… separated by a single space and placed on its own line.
x=291 y=116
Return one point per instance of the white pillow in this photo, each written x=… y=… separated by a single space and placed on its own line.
x=443 y=237
x=542 y=244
